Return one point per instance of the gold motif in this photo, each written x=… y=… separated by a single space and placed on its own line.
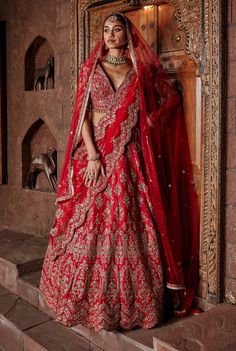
x=110 y=273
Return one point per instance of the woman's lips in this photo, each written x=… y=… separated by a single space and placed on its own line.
x=111 y=41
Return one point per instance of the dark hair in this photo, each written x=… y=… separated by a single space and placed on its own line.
x=119 y=17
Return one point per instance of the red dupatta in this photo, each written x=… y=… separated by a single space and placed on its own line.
x=167 y=160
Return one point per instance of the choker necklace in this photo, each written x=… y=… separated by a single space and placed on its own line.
x=115 y=61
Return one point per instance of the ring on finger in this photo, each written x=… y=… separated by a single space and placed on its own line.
x=92 y=176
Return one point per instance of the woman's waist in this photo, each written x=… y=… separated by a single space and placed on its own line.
x=96 y=116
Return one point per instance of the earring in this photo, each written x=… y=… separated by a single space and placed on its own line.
x=106 y=47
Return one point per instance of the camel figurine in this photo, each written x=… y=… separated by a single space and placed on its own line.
x=42 y=74
x=44 y=162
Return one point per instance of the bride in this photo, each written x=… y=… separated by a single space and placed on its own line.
x=126 y=227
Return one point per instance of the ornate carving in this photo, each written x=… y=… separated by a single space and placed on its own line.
x=196 y=19
x=74 y=47
x=210 y=229
x=188 y=16
x=133 y=3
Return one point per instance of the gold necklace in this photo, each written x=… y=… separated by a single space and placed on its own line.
x=116 y=61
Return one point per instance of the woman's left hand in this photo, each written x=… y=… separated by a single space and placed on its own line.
x=91 y=174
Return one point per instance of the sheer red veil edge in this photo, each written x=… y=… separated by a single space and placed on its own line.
x=166 y=154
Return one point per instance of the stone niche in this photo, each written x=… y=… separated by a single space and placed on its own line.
x=39 y=158
x=39 y=65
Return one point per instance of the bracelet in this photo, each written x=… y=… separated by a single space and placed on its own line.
x=94 y=157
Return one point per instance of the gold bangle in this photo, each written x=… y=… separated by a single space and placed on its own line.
x=93 y=157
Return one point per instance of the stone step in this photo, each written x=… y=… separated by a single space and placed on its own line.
x=28 y=290
x=25 y=328
x=28 y=287
x=19 y=254
x=134 y=340
x=213 y=330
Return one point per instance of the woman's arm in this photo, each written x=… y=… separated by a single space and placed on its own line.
x=94 y=167
x=88 y=137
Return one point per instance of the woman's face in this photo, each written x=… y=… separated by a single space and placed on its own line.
x=114 y=33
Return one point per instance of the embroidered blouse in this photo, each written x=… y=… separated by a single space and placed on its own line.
x=103 y=96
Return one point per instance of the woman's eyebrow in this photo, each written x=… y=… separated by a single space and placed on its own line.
x=117 y=25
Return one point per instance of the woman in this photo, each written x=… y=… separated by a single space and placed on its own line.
x=126 y=226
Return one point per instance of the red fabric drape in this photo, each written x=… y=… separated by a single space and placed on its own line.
x=167 y=160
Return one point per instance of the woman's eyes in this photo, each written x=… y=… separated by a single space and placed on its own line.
x=106 y=30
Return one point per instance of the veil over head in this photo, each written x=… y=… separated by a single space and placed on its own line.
x=166 y=155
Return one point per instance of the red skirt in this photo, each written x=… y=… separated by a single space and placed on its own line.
x=110 y=274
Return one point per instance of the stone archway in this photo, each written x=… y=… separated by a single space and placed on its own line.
x=201 y=22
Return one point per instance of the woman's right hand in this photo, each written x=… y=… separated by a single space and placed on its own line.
x=92 y=172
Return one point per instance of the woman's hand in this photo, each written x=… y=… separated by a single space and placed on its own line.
x=91 y=174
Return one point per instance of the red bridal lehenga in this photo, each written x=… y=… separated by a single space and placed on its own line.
x=115 y=246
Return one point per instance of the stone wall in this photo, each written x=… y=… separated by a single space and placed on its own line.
x=230 y=242
x=31 y=211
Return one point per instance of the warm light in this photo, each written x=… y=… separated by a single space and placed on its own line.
x=148 y=7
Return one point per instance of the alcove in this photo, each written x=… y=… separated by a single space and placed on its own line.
x=39 y=65
x=38 y=156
